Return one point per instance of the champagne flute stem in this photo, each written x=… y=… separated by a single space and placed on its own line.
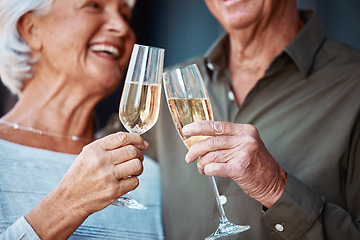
x=217 y=198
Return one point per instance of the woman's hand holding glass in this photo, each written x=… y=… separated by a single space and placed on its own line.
x=104 y=170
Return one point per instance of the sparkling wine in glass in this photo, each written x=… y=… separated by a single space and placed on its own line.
x=140 y=99
x=188 y=102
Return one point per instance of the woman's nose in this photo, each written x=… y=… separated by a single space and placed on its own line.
x=117 y=24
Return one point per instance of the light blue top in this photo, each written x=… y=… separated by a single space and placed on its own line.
x=27 y=174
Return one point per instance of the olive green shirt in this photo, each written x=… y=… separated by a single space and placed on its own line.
x=306 y=109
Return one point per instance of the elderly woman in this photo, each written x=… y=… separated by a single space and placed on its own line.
x=62 y=57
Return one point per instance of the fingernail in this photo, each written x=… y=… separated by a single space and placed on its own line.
x=186 y=128
x=186 y=159
x=146 y=144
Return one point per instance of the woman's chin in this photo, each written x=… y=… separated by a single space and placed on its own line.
x=103 y=83
x=110 y=85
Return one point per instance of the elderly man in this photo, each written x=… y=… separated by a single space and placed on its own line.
x=286 y=141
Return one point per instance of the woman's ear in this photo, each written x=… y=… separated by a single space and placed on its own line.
x=28 y=27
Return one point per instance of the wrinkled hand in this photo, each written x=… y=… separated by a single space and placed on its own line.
x=104 y=170
x=236 y=151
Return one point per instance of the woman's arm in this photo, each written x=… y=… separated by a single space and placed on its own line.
x=98 y=176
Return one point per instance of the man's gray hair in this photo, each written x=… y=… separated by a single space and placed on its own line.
x=14 y=52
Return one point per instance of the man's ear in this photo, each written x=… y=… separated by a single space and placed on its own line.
x=28 y=27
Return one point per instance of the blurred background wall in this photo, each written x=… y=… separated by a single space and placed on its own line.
x=185 y=28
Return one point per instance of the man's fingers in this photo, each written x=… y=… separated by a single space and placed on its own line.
x=212 y=128
x=218 y=169
x=212 y=144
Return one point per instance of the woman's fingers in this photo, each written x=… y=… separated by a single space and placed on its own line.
x=121 y=139
x=103 y=171
x=126 y=185
x=127 y=161
x=132 y=167
x=124 y=154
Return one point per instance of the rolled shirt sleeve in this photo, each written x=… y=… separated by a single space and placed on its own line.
x=21 y=229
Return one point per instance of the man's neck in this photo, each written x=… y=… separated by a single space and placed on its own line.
x=253 y=49
x=267 y=38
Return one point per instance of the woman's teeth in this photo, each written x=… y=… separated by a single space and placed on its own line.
x=105 y=49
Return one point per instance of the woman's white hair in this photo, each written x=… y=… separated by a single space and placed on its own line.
x=14 y=52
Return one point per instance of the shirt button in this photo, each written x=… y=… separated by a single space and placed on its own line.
x=279 y=227
x=231 y=96
x=223 y=199
x=210 y=66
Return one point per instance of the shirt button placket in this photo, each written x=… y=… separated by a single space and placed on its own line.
x=223 y=199
x=279 y=227
x=210 y=66
x=231 y=96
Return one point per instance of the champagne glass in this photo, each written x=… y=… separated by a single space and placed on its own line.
x=140 y=99
x=188 y=102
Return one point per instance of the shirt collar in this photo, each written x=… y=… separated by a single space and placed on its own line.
x=302 y=49
x=218 y=54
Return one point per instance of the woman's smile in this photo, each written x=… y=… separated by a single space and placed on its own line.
x=106 y=50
